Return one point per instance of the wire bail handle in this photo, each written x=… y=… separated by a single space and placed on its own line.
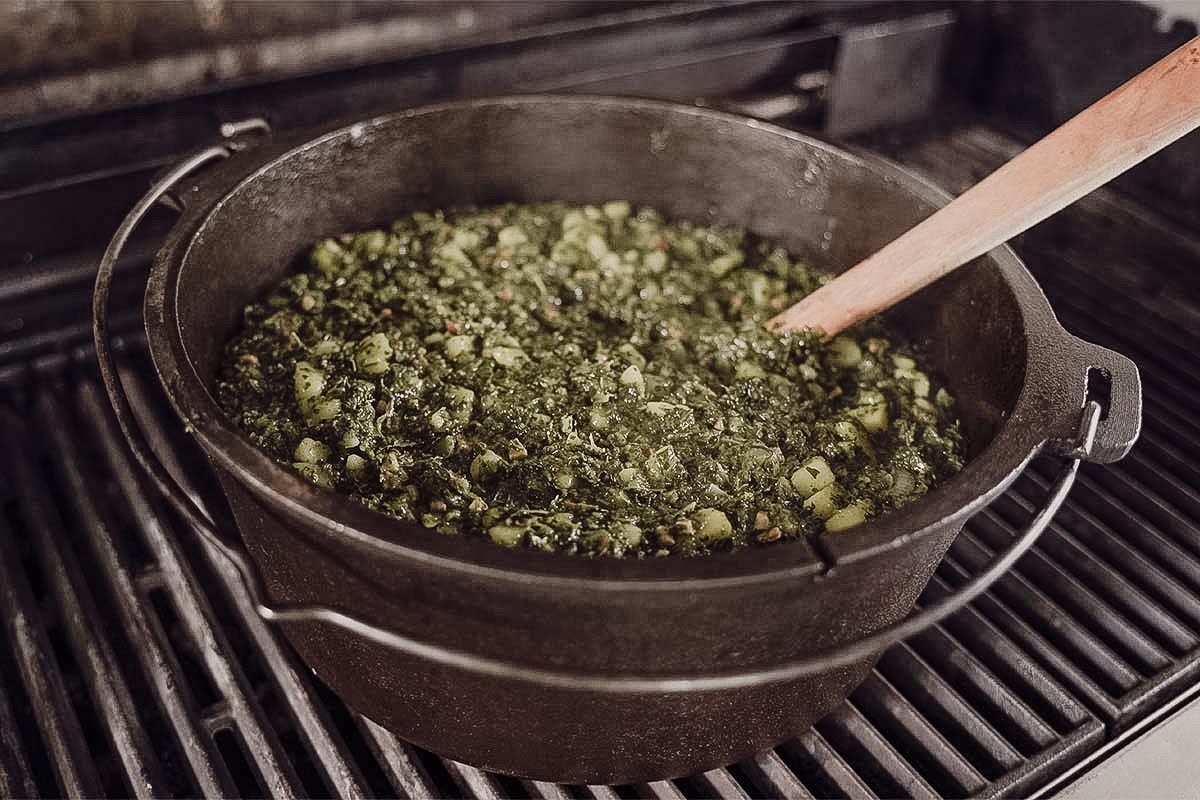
x=229 y=546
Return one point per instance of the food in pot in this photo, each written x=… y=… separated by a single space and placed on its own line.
x=591 y=380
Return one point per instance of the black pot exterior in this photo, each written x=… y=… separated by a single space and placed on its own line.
x=1020 y=386
x=526 y=728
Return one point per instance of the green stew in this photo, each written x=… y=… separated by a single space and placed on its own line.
x=590 y=380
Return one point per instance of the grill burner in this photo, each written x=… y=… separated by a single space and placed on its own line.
x=133 y=665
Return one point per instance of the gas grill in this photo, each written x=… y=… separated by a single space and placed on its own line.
x=131 y=657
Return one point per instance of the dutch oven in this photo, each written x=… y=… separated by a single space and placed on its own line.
x=600 y=670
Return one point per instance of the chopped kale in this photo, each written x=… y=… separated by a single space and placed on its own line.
x=590 y=380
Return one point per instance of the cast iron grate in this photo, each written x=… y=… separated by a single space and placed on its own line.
x=1109 y=598
x=133 y=665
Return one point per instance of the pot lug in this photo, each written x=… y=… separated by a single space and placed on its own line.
x=1090 y=372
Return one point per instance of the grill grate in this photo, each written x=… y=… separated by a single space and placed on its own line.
x=1109 y=596
x=133 y=664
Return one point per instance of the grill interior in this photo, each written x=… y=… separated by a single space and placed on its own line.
x=133 y=664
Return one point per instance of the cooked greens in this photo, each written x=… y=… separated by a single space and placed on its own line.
x=591 y=380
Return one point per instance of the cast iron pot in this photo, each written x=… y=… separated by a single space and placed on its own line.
x=544 y=665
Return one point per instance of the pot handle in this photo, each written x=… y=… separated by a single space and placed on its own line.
x=1083 y=446
x=1083 y=372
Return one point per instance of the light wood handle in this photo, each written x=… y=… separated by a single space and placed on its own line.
x=1140 y=118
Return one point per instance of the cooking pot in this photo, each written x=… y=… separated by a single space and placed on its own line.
x=597 y=670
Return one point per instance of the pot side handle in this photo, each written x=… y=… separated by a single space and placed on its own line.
x=1081 y=371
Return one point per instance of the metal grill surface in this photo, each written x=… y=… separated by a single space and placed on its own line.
x=133 y=665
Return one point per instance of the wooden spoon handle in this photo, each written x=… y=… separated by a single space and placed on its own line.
x=1140 y=118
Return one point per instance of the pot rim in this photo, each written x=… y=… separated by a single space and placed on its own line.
x=983 y=478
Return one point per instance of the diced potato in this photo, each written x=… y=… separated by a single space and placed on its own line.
x=723 y=265
x=309 y=383
x=711 y=525
x=506 y=535
x=629 y=534
x=511 y=236
x=311 y=451
x=616 y=210
x=508 y=356
x=821 y=502
x=597 y=247
x=374 y=353
x=454 y=254
x=573 y=219
x=869 y=397
x=873 y=418
x=327 y=257
x=655 y=261
x=632 y=376
x=812 y=476
x=458 y=346
x=372 y=243
x=845 y=518
x=466 y=239
x=323 y=410
x=845 y=352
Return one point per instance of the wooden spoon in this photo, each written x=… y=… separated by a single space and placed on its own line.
x=1140 y=118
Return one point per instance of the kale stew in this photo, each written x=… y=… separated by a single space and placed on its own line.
x=590 y=380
